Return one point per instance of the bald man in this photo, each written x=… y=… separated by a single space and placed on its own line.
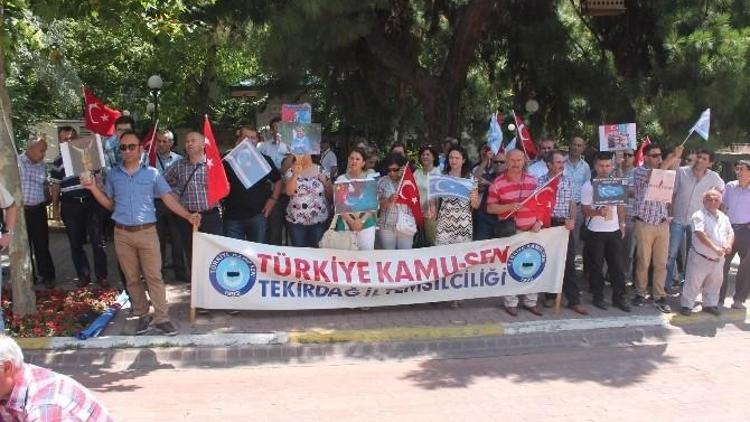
x=189 y=182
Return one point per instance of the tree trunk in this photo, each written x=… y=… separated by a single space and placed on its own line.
x=440 y=95
x=24 y=299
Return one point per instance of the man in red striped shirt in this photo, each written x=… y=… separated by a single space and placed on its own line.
x=32 y=393
x=505 y=197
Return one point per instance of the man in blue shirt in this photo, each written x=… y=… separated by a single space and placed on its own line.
x=129 y=192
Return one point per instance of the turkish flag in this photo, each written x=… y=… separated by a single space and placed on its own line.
x=100 y=119
x=149 y=144
x=638 y=160
x=524 y=135
x=408 y=194
x=217 y=184
x=546 y=198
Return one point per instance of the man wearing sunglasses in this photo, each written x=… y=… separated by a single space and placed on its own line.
x=651 y=232
x=129 y=193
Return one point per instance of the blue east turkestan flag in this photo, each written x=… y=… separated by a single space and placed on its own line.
x=703 y=124
x=494 y=134
x=450 y=187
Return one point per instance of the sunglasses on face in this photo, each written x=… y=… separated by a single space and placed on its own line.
x=394 y=170
x=498 y=161
x=628 y=155
x=128 y=147
x=655 y=155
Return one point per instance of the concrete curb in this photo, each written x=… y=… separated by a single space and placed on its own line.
x=321 y=336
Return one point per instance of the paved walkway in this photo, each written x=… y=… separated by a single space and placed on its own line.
x=473 y=312
x=700 y=377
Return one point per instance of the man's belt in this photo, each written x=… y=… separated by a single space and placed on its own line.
x=704 y=256
x=134 y=228
x=75 y=199
x=653 y=224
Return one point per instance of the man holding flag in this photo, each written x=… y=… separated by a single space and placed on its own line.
x=563 y=214
x=199 y=182
x=508 y=199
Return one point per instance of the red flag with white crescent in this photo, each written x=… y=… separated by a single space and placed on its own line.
x=408 y=194
x=100 y=119
x=217 y=184
x=524 y=135
x=546 y=199
x=639 y=159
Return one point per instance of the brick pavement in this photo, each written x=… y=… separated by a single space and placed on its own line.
x=606 y=376
x=480 y=311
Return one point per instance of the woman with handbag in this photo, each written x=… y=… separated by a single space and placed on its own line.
x=428 y=158
x=309 y=190
x=396 y=225
x=361 y=223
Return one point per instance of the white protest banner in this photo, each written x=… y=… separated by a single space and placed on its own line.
x=235 y=274
x=660 y=186
x=248 y=163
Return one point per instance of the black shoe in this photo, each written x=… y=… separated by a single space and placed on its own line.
x=687 y=311
x=622 y=304
x=638 y=300
x=672 y=291
x=663 y=306
x=601 y=304
x=49 y=283
x=713 y=310
x=167 y=328
x=144 y=323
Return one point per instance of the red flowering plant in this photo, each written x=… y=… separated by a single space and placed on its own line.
x=58 y=313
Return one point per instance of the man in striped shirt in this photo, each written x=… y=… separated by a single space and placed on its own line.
x=31 y=393
x=505 y=199
x=33 y=187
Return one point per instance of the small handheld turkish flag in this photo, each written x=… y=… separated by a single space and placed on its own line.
x=546 y=198
x=639 y=159
x=217 y=184
x=527 y=144
x=408 y=194
x=100 y=119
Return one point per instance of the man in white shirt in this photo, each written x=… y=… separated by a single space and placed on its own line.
x=328 y=158
x=604 y=239
x=278 y=151
x=539 y=168
x=713 y=240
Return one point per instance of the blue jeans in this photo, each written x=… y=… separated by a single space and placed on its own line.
x=251 y=229
x=677 y=232
x=303 y=235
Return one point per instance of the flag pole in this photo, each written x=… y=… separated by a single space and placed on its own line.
x=686 y=138
x=539 y=189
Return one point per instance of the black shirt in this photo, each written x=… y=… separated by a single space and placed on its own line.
x=243 y=203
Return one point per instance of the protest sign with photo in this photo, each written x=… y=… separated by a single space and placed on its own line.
x=248 y=164
x=617 y=137
x=660 y=186
x=296 y=113
x=82 y=156
x=610 y=191
x=302 y=138
x=355 y=196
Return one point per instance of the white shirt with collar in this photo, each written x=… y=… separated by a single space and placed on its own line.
x=715 y=226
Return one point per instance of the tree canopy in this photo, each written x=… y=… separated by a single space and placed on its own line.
x=429 y=68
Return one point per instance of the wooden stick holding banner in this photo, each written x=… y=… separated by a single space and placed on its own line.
x=192 y=280
x=539 y=189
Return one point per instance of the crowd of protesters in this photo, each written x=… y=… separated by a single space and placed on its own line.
x=143 y=209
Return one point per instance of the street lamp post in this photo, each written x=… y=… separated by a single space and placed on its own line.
x=154 y=84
